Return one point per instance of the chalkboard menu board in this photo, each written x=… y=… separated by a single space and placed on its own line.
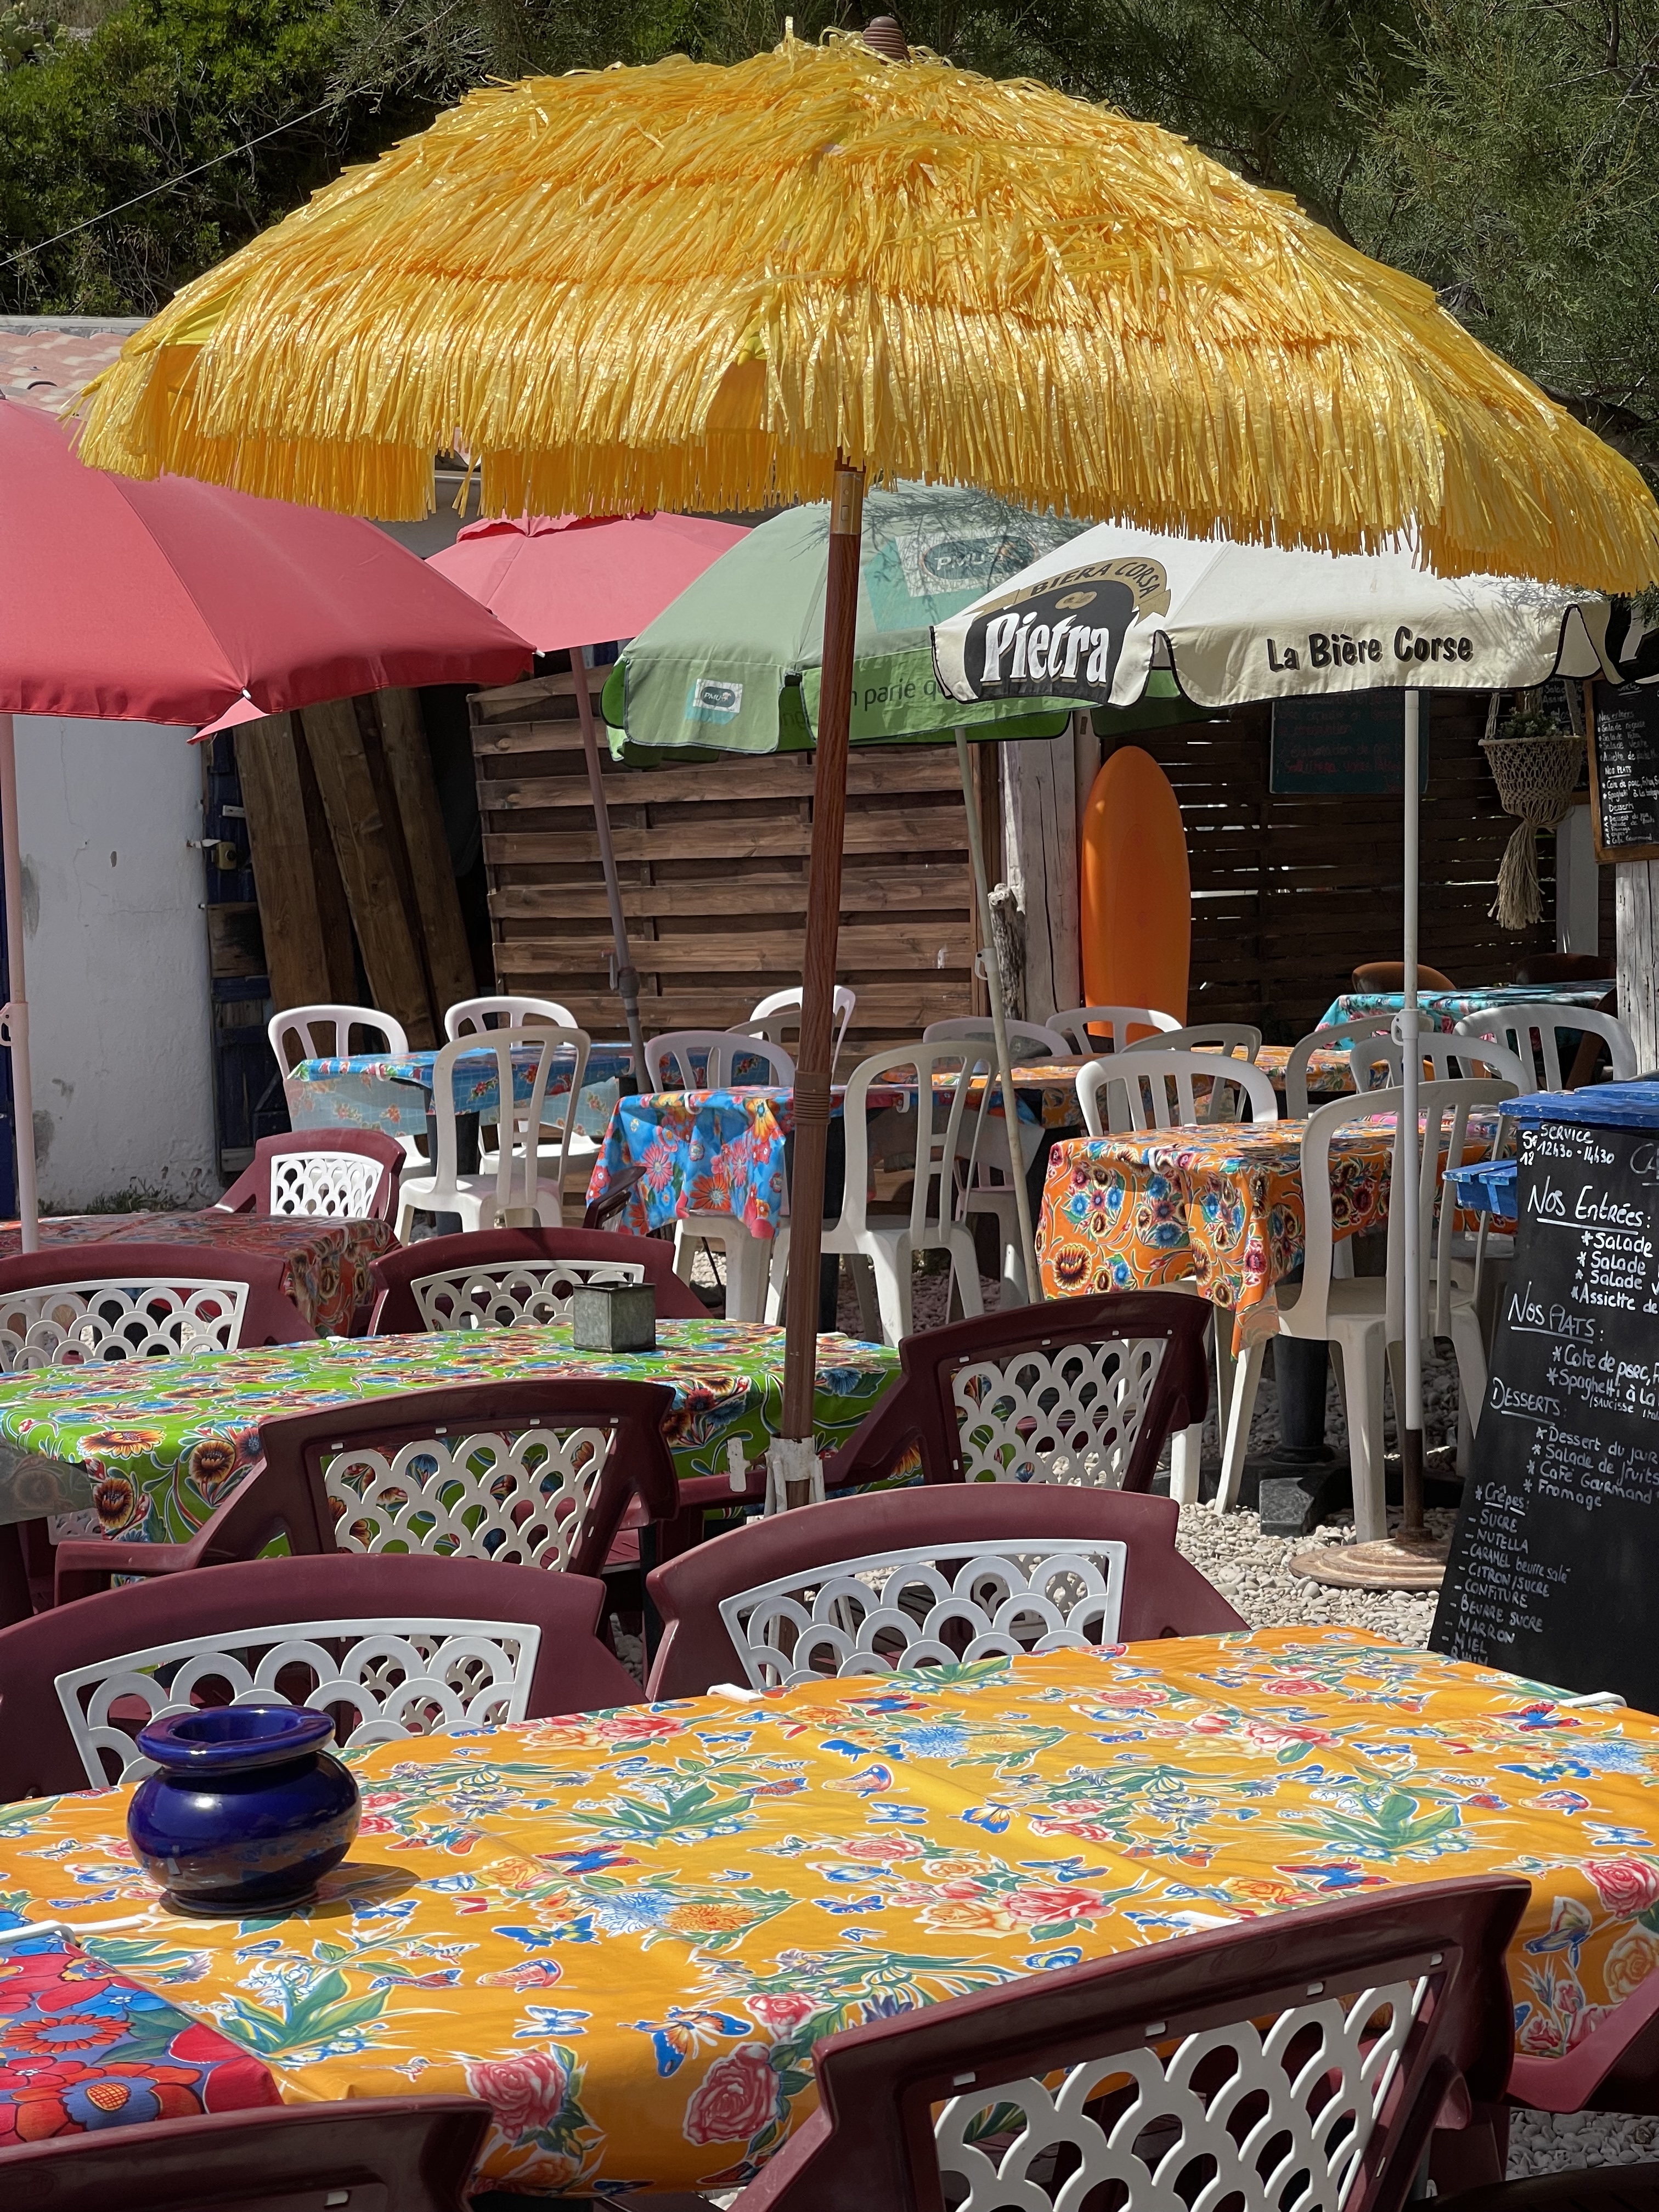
x=1348 y=742
x=1624 y=771
x=1554 y=1561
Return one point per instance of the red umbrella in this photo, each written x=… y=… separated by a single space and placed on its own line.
x=175 y=601
x=569 y=581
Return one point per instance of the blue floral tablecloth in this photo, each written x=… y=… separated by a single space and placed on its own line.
x=390 y=1092
x=1443 y=1009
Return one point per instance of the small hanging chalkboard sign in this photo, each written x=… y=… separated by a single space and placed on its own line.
x=1347 y=743
x=1554 y=1559
x=1624 y=771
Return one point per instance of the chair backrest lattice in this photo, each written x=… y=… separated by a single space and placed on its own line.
x=714 y=1060
x=1072 y=1413
x=941 y=1605
x=339 y=1185
x=1028 y=1042
x=514 y=1293
x=521 y=1498
x=475 y=1016
x=1533 y=1034
x=1155 y=1089
x=382 y=1678
x=103 y=1319
x=1256 y=2113
x=323 y=1032
x=1092 y=1030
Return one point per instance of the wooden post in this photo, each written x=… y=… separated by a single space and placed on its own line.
x=409 y=765
x=1638 y=939
x=391 y=955
x=795 y=1466
x=1042 y=807
x=302 y=903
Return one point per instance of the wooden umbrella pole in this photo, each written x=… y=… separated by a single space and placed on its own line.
x=628 y=980
x=795 y=1461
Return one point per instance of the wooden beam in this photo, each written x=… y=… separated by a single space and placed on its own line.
x=409 y=762
x=302 y=903
x=391 y=955
x=898 y=836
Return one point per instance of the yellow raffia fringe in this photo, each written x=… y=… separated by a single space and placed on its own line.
x=686 y=287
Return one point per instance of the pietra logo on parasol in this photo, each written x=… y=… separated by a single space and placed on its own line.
x=1061 y=637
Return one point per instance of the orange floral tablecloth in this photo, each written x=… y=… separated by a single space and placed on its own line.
x=626 y=1931
x=1221 y=1205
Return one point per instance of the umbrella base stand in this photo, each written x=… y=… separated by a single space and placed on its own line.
x=1407 y=1563
x=794 y=1474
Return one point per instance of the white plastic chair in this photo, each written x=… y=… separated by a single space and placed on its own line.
x=1027 y=1041
x=1237 y=1039
x=1078 y=1022
x=324 y=1033
x=514 y=1195
x=1533 y=1034
x=706 y=1060
x=1362 y=1316
x=1351 y=1038
x=1449 y=1058
x=780 y=1011
x=1154 y=1091
x=469 y=1016
x=945 y=1131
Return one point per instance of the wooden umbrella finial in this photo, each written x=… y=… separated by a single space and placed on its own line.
x=882 y=35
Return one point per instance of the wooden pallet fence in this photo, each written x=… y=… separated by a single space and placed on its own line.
x=347 y=838
x=713 y=862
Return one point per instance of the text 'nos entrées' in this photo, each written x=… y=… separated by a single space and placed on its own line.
x=1336 y=649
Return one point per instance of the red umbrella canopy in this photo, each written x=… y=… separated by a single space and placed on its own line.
x=173 y=601
x=583 y=580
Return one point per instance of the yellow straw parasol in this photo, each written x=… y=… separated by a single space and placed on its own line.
x=702 y=287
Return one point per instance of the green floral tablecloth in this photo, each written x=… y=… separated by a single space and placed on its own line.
x=167 y=1439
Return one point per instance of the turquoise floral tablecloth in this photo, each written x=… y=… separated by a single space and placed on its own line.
x=390 y=1091
x=168 y=1439
x=1443 y=1009
x=625 y=1931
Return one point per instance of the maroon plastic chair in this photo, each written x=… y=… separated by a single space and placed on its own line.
x=315 y=1173
x=367 y=2154
x=973 y=1569
x=506 y=1278
x=1228 y=2063
x=1101 y=1382
x=473 y=1487
x=138 y=1302
x=47 y=1745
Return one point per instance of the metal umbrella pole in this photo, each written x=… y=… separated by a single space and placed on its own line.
x=1411 y=1425
x=628 y=980
x=15 y=1015
x=998 y=1022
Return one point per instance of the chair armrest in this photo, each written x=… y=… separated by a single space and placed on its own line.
x=85 y=1565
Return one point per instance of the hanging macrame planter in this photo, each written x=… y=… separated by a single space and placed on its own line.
x=1536 y=776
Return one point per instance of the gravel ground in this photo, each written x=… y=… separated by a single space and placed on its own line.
x=1253 y=1572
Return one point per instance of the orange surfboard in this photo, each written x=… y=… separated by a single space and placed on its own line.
x=1137 y=901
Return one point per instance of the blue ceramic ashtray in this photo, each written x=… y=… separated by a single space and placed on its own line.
x=249 y=1809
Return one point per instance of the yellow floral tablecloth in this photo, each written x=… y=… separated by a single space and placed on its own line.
x=626 y=1931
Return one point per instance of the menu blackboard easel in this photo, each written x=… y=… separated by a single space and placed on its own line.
x=1624 y=761
x=1554 y=1559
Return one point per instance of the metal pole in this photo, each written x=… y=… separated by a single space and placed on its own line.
x=793 y=1460
x=1411 y=1427
x=628 y=980
x=998 y=1022
x=14 y=1016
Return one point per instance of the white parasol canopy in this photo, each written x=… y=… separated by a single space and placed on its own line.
x=1239 y=624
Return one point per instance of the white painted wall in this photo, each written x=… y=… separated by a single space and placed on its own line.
x=115 y=944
